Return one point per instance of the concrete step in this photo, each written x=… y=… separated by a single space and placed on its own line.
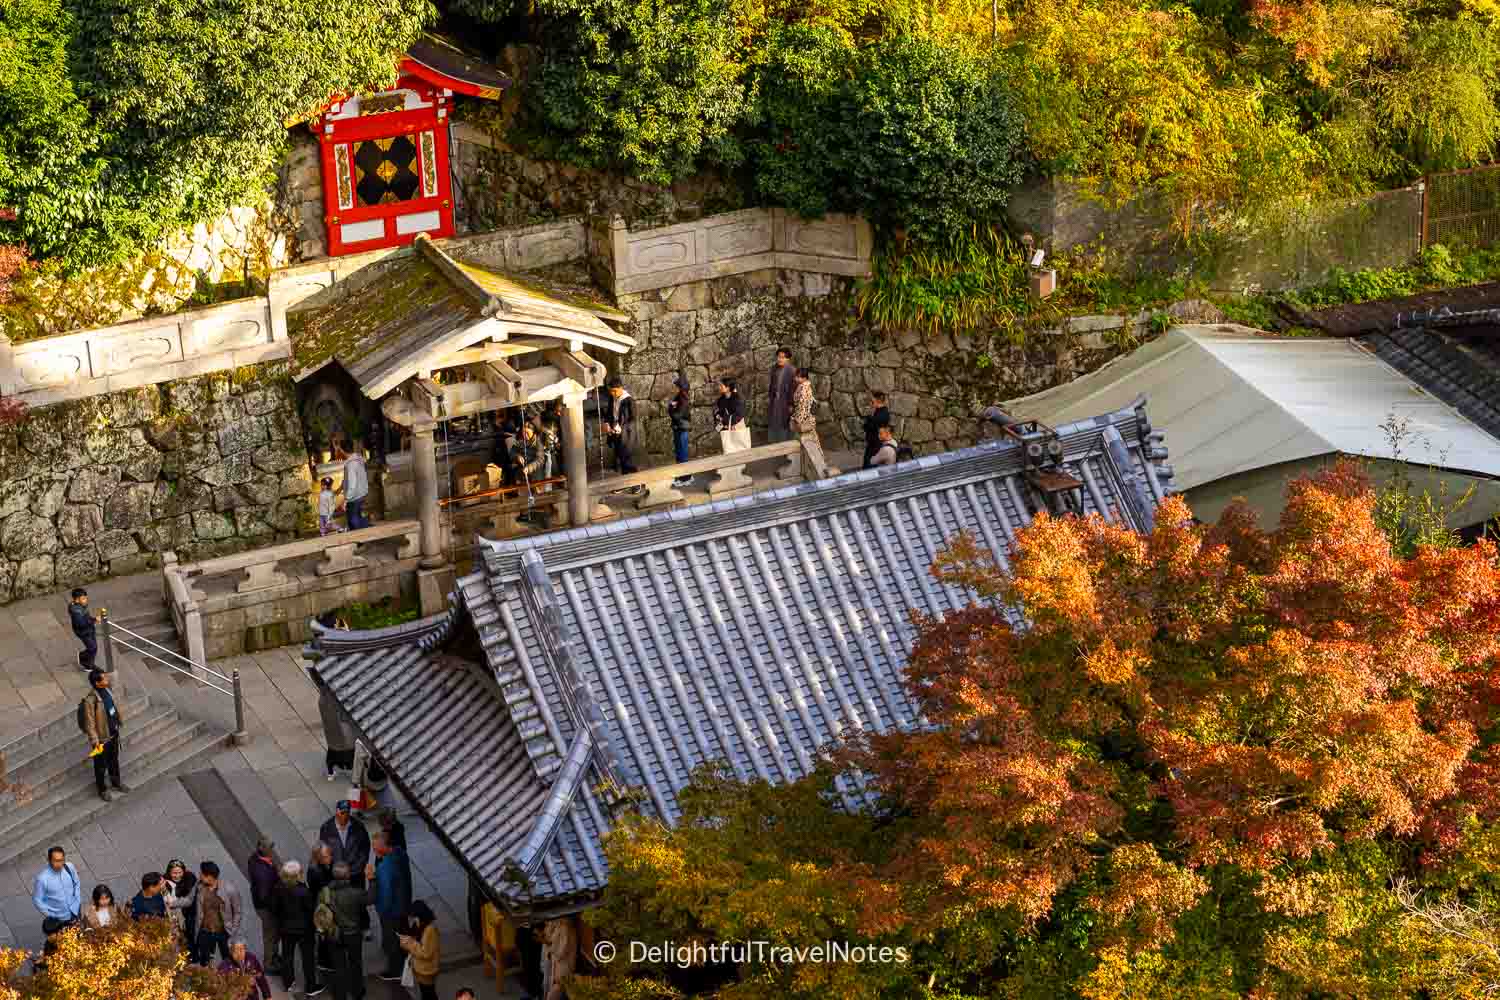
x=71 y=801
x=141 y=726
x=23 y=751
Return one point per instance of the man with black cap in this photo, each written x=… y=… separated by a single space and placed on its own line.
x=680 y=411
x=263 y=870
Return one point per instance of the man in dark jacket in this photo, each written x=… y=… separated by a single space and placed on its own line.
x=348 y=903
x=261 y=869
x=83 y=627
x=680 y=412
x=619 y=425
x=149 y=902
x=350 y=841
x=779 y=408
x=293 y=903
x=391 y=873
x=319 y=877
x=878 y=417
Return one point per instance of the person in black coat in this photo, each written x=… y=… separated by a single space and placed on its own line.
x=878 y=417
x=292 y=904
x=620 y=425
x=349 y=841
x=319 y=877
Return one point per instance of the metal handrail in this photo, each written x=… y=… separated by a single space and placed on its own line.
x=164 y=649
x=236 y=691
x=170 y=666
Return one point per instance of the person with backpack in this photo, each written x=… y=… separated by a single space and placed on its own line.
x=83 y=627
x=55 y=892
x=319 y=877
x=888 y=451
x=99 y=719
x=339 y=917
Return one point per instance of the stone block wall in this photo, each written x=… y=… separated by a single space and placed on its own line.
x=499 y=185
x=102 y=486
x=936 y=383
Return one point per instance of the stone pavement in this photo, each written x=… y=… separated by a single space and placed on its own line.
x=39 y=673
x=39 y=678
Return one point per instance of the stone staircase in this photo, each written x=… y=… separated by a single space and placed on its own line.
x=161 y=739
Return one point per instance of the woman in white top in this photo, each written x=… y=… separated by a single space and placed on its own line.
x=103 y=910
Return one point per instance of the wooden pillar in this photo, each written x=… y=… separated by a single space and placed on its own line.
x=424 y=470
x=576 y=461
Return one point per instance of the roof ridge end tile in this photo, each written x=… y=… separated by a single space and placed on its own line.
x=488 y=302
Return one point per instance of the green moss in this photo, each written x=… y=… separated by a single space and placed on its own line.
x=374 y=316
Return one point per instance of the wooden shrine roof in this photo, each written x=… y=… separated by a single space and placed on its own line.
x=414 y=310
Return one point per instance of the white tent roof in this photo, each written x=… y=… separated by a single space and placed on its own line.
x=1232 y=400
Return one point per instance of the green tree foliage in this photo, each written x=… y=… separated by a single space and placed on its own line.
x=906 y=131
x=130 y=118
x=652 y=87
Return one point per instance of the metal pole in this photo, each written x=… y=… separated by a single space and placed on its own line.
x=109 y=642
x=240 y=736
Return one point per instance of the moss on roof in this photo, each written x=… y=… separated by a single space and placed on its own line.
x=373 y=317
x=532 y=285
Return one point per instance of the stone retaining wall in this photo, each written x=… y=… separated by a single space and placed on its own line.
x=102 y=486
x=936 y=383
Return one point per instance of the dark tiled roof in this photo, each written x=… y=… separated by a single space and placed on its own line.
x=1462 y=372
x=754 y=631
x=443 y=55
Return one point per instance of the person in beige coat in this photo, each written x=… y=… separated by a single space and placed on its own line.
x=102 y=911
x=422 y=946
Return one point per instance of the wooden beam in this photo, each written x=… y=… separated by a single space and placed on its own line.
x=503 y=380
x=478 y=354
x=579 y=367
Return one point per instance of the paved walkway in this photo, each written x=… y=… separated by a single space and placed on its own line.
x=39 y=672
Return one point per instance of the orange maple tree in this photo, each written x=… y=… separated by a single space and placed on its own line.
x=1221 y=694
x=1210 y=761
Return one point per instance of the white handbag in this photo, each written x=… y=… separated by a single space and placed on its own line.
x=408 y=978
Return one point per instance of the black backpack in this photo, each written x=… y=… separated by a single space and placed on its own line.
x=904 y=453
x=82 y=714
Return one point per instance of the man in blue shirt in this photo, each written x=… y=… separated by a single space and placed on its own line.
x=55 y=891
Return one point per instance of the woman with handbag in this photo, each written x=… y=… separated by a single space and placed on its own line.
x=423 y=950
x=804 y=422
x=729 y=417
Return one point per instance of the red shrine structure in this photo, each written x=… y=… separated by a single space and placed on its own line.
x=385 y=155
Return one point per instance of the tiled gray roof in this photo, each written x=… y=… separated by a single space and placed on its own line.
x=754 y=631
x=1462 y=372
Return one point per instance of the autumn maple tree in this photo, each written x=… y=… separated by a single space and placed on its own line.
x=1209 y=761
x=133 y=960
